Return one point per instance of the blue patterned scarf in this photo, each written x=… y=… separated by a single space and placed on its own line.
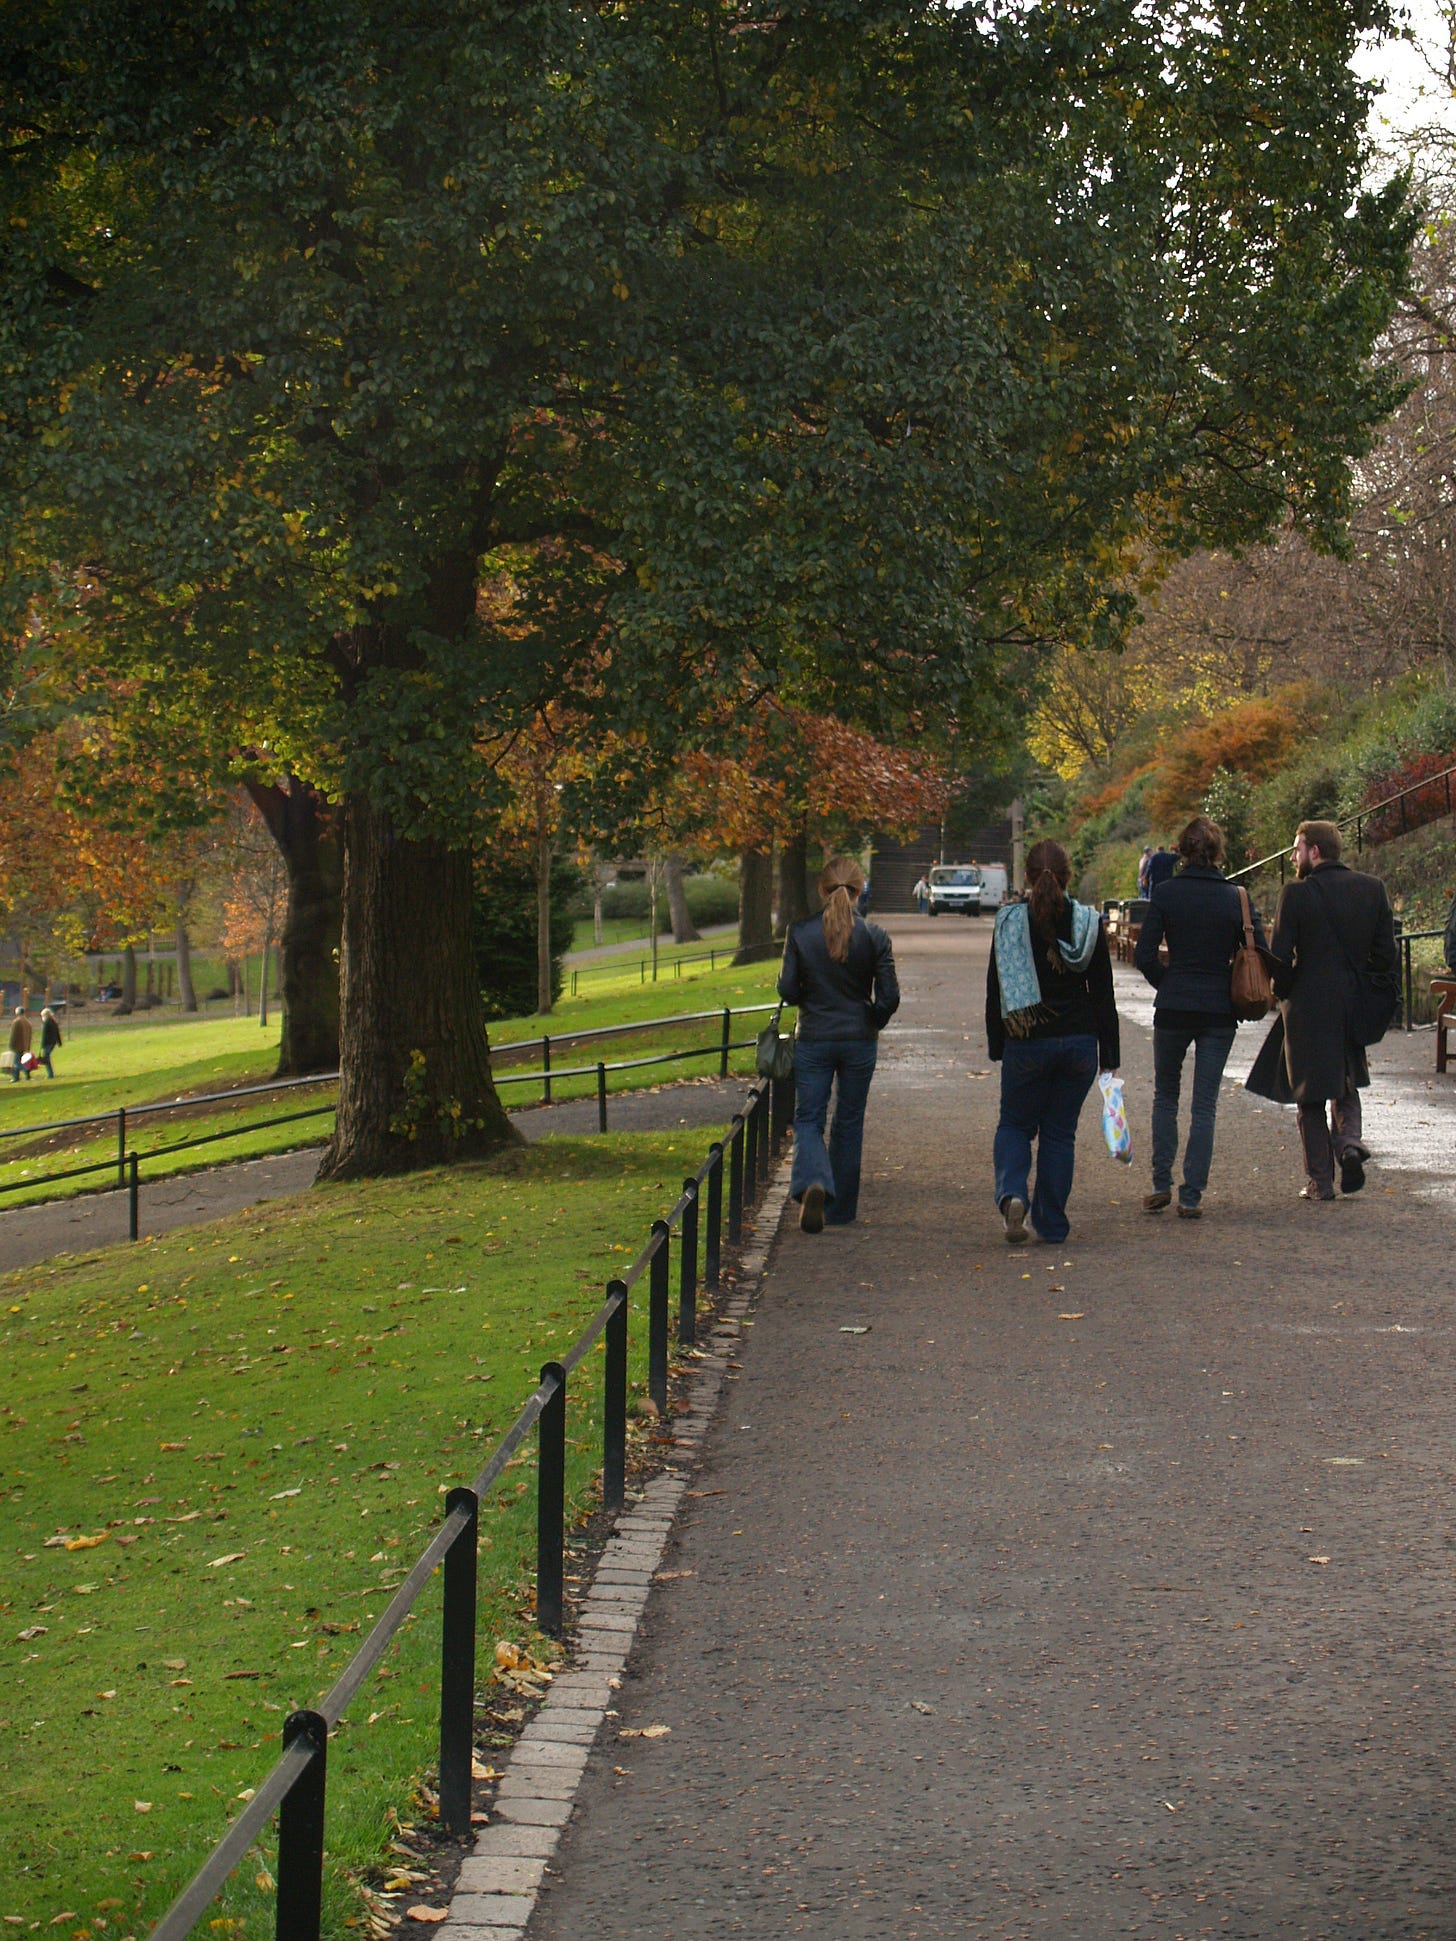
x=1021 y=1003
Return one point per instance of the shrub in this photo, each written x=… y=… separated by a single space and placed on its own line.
x=712 y=899
x=1253 y=738
x=505 y=933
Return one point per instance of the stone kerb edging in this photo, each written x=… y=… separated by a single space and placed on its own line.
x=495 y=1893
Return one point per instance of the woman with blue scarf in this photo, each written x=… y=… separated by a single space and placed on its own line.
x=1051 y=1022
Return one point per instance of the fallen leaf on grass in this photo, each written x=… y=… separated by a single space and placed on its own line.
x=232 y=1557
x=67 y=1914
x=1078 y=1316
x=175 y=1664
x=32 y=1631
x=919 y=1705
x=1319 y=1560
x=428 y=1913
x=142 y=1805
x=171 y=1445
x=477 y=1771
x=278 y=1498
x=85 y=1543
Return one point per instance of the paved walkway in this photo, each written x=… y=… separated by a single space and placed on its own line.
x=1077 y=1592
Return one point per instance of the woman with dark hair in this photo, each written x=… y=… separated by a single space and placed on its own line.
x=1051 y=1021
x=840 y=972
x=1198 y=914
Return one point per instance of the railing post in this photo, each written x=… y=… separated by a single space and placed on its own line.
x=545 y=1069
x=132 y=1210
x=299 y=1912
x=750 y=1150
x=614 y=1401
x=765 y=1100
x=727 y=1043
x=601 y=1097
x=657 y=1317
x=735 y=1184
x=713 y=1238
x=687 y=1292
x=551 y=1503
x=457 y=1666
x=121 y=1145
x=1405 y=951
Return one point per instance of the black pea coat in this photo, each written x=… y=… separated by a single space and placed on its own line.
x=1323 y=922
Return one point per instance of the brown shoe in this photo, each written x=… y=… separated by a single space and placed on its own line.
x=1155 y=1202
x=1190 y=1212
x=1310 y=1193
x=811 y=1210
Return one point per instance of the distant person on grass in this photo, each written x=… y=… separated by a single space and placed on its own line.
x=840 y=972
x=1198 y=914
x=50 y=1039
x=20 y=1034
x=1051 y=1024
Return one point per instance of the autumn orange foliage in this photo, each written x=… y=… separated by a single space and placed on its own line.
x=1255 y=738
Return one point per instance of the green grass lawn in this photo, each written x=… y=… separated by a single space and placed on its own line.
x=142 y=1064
x=222 y=1449
x=96 y=1071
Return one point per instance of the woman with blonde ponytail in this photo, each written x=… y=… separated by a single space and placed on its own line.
x=840 y=972
x=1051 y=1022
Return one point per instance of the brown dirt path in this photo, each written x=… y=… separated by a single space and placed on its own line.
x=1097 y=1591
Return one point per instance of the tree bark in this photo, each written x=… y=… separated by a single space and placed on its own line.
x=128 y=984
x=184 y=967
x=306 y=832
x=755 y=903
x=793 y=887
x=415 y=1087
x=683 y=929
x=545 y=998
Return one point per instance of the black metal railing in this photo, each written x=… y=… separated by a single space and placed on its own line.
x=295 y=1788
x=1359 y=817
x=658 y=967
x=127 y=1162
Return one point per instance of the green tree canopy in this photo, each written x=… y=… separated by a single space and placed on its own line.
x=372 y=369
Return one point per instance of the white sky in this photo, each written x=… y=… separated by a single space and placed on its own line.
x=1411 y=95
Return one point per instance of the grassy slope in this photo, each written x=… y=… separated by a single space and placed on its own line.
x=260 y=1418
x=139 y=1064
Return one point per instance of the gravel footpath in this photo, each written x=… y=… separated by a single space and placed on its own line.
x=1076 y=1592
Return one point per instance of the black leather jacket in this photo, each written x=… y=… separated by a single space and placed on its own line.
x=1197 y=912
x=855 y=999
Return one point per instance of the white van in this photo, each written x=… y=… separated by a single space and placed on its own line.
x=957 y=887
x=993 y=887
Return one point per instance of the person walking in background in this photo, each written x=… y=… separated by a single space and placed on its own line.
x=840 y=972
x=1143 y=861
x=50 y=1039
x=1334 y=932
x=1051 y=1023
x=921 y=893
x=1199 y=915
x=20 y=1034
x=1161 y=865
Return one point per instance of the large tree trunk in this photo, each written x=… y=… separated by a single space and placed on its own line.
x=128 y=984
x=755 y=904
x=683 y=929
x=545 y=996
x=306 y=832
x=793 y=871
x=415 y=1086
x=184 y=967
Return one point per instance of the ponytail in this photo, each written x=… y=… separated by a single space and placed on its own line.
x=840 y=884
x=1048 y=872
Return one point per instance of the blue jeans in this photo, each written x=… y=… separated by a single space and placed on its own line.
x=847 y=1064
x=1211 y=1046
x=1043 y=1084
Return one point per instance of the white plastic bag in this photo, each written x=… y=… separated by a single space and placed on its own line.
x=1115 y=1129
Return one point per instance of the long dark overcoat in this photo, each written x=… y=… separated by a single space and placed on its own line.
x=1323 y=922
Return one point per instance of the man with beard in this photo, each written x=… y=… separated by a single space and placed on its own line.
x=1334 y=938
